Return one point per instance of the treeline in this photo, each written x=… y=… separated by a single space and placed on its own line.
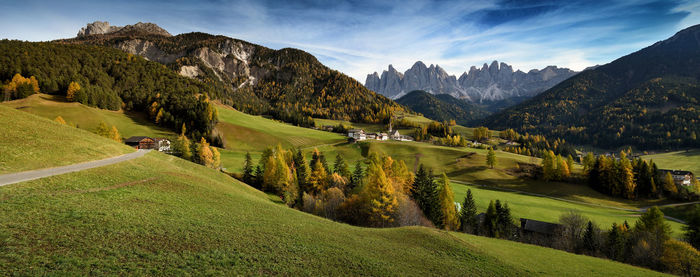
x=199 y=152
x=621 y=177
x=110 y=79
x=555 y=167
x=647 y=244
x=378 y=192
x=536 y=145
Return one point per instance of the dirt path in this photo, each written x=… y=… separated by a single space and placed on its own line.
x=12 y=178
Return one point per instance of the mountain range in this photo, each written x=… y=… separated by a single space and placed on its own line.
x=489 y=83
x=288 y=84
x=442 y=107
x=649 y=99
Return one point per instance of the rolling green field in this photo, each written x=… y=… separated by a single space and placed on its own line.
x=31 y=142
x=680 y=160
x=547 y=209
x=180 y=218
x=543 y=261
x=88 y=118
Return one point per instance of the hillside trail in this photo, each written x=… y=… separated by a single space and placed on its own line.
x=584 y=203
x=13 y=178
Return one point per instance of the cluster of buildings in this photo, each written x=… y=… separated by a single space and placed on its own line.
x=142 y=142
x=680 y=177
x=359 y=134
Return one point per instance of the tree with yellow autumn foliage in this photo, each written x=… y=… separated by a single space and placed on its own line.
x=60 y=120
x=73 y=87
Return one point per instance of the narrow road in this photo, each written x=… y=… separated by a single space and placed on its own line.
x=581 y=202
x=13 y=178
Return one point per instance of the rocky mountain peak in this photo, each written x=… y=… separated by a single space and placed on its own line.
x=103 y=27
x=496 y=81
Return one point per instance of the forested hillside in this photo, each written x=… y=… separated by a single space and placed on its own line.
x=110 y=79
x=288 y=84
x=442 y=107
x=649 y=99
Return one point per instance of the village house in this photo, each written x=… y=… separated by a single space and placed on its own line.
x=383 y=136
x=143 y=142
x=371 y=136
x=395 y=135
x=357 y=134
x=680 y=177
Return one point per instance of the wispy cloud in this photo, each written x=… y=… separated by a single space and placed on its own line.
x=360 y=37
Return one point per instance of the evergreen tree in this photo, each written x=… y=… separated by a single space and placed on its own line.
x=504 y=221
x=627 y=177
x=448 y=213
x=490 y=220
x=615 y=243
x=570 y=163
x=266 y=154
x=425 y=193
x=341 y=167
x=357 y=176
x=114 y=134
x=318 y=179
x=258 y=177
x=589 y=242
x=468 y=213
x=302 y=171
x=248 y=176
x=652 y=221
x=692 y=230
x=562 y=170
x=491 y=158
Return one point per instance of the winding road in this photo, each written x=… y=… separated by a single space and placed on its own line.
x=12 y=178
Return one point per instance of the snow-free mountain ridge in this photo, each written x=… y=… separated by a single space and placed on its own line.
x=489 y=83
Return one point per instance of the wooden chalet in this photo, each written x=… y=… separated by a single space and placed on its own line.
x=141 y=142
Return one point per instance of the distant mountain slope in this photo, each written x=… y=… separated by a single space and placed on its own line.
x=289 y=84
x=490 y=83
x=442 y=107
x=648 y=99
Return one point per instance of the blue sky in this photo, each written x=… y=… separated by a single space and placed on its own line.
x=360 y=37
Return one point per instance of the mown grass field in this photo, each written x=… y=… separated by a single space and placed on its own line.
x=680 y=160
x=31 y=142
x=88 y=118
x=180 y=218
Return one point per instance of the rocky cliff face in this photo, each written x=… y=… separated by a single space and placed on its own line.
x=103 y=27
x=494 y=82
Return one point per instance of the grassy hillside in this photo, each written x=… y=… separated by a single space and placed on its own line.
x=84 y=117
x=31 y=142
x=683 y=160
x=178 y=218
x=545 y=261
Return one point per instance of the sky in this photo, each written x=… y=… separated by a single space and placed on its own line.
x=361 y=37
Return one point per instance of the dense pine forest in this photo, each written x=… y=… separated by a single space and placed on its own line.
x=109 y=79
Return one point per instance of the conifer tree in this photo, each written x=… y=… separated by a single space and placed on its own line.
x=504 y=220
x=425 y=193
x=248 y=176
x=589 y=242
x=114 y=134
x=357 y=176
x=670 y=185
x=60 y=120
x=570 y=163
x=615 y=243
x=448 y=212
x=490 y=220
x=216 y=158
x=692 y=229
x=491 y=158
x=379 y=196
x=103 y=129
x=183 y=147
x=627 y=177
x=548 y=166
x=401 y=177
x=468 y=213
x=341 y=167
x=302 y=170
x=204 y=154
x=562 y=168
x=588 y=162
x=258 y=177
x=318 y=179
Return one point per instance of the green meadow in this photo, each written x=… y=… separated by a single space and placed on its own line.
x=31 y=142
x=679 y=160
